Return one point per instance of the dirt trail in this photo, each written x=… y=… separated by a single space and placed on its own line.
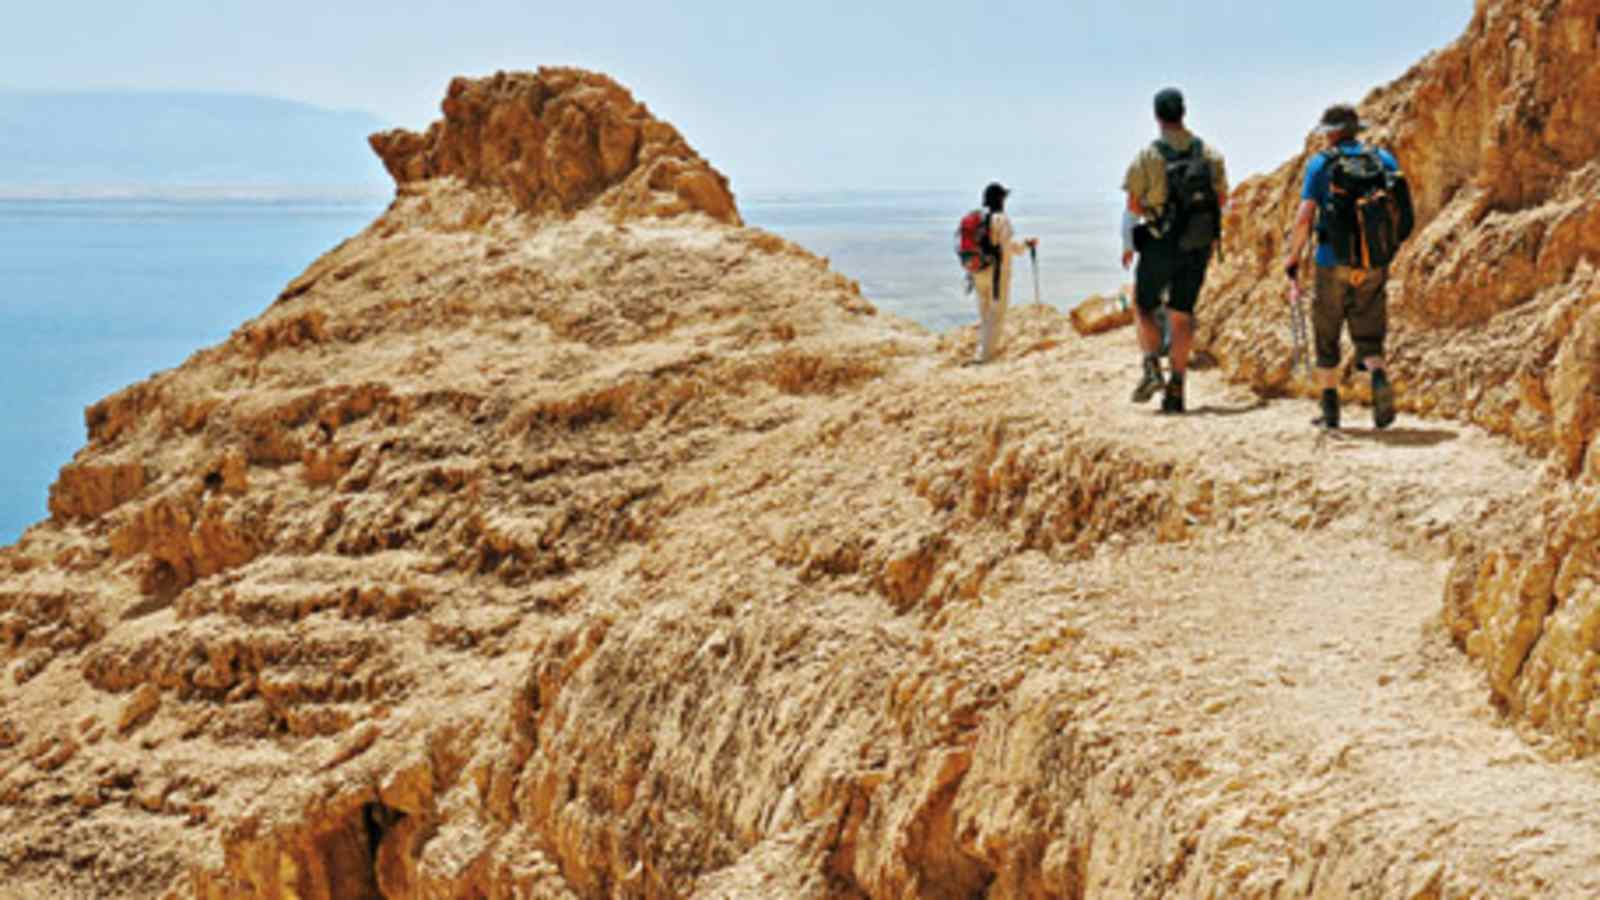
x=1290 y=648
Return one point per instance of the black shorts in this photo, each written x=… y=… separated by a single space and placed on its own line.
x=1162 y=266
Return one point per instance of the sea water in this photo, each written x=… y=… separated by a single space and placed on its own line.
x=97 y=295
x=901 y=247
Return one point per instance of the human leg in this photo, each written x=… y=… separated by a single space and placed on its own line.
x=1152 y=276
x=1369 y=327
x=997 y=338
x=1182 y=339
x=1327 y=324
x=1182 y=325
x=1188 y=278
x=983 y=284
x=1149 y=332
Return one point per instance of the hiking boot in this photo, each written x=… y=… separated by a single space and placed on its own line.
x=1151 y=382
x=1172 y=400
x=1330 y=410
x=1382 y=400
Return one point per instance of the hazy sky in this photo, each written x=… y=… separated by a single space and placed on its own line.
x=820 y=95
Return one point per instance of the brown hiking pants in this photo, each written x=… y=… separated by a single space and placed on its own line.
x=1362 y=302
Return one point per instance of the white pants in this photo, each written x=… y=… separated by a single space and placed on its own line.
x=991 y=312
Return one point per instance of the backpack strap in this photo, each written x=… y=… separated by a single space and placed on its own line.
x=1333 y=153
x=1170 y=154
x=994 y=246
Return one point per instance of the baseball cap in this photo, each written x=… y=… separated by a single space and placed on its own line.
x=1340 y=117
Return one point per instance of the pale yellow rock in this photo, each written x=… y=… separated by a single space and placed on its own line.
x=139 y=708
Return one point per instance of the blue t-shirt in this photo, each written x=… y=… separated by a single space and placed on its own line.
x=1316 y=187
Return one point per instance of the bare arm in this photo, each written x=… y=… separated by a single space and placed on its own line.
x=1300 y=237
x=1136 y=209
x=1220 y=180
x=1007 y=239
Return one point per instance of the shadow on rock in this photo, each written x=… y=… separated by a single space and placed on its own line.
x=1211 y=409
x=1399 y=437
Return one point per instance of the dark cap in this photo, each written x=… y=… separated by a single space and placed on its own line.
x=995 y=194
x=1341 y=117
x=1169 y=105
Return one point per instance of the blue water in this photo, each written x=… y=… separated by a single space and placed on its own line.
x=900 y=246
x=96 y=295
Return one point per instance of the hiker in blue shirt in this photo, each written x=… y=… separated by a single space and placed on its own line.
x=1349 y=291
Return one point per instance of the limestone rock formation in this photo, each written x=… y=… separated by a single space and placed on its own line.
x=558 y=537
x=558 y=141
x=1495 y=314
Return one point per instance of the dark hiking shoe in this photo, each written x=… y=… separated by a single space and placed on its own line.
x=1382 y=400
x=1151 y=382
x=1172 y=400
x=1330 y=410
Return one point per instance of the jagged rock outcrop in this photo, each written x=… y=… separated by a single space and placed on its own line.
x=627 y=552
x=558 y=141
x=1495 y=313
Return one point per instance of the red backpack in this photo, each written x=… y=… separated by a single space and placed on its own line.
x=973 y=246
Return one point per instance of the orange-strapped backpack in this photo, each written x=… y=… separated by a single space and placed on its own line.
x=973 y=246
x=1368 y=212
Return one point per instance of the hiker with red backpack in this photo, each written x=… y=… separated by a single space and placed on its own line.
x=987 y=248
x=1176 y=187
x=1362 y=207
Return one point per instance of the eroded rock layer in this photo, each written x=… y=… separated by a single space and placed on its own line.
x=558 y=141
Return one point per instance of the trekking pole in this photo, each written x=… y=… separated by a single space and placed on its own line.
x=1297 y=324
x=1033 y=257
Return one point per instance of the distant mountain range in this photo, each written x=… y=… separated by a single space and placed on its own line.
x=95 y=143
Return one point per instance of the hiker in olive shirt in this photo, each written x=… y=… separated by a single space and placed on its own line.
x=1179 y=226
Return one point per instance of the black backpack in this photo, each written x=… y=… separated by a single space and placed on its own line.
x=1368 y=213
x=1193 y=213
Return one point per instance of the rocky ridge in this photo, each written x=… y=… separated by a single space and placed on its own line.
x=531 y=546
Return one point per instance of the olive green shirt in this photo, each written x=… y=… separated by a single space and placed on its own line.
x=1147 y=176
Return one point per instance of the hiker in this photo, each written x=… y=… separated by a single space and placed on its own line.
x=1352 y=261
x=989 y=273
x=1176 y=188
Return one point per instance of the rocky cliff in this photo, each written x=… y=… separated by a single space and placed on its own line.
x=557 y=142
x=1495 y=312
x=558 y=537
